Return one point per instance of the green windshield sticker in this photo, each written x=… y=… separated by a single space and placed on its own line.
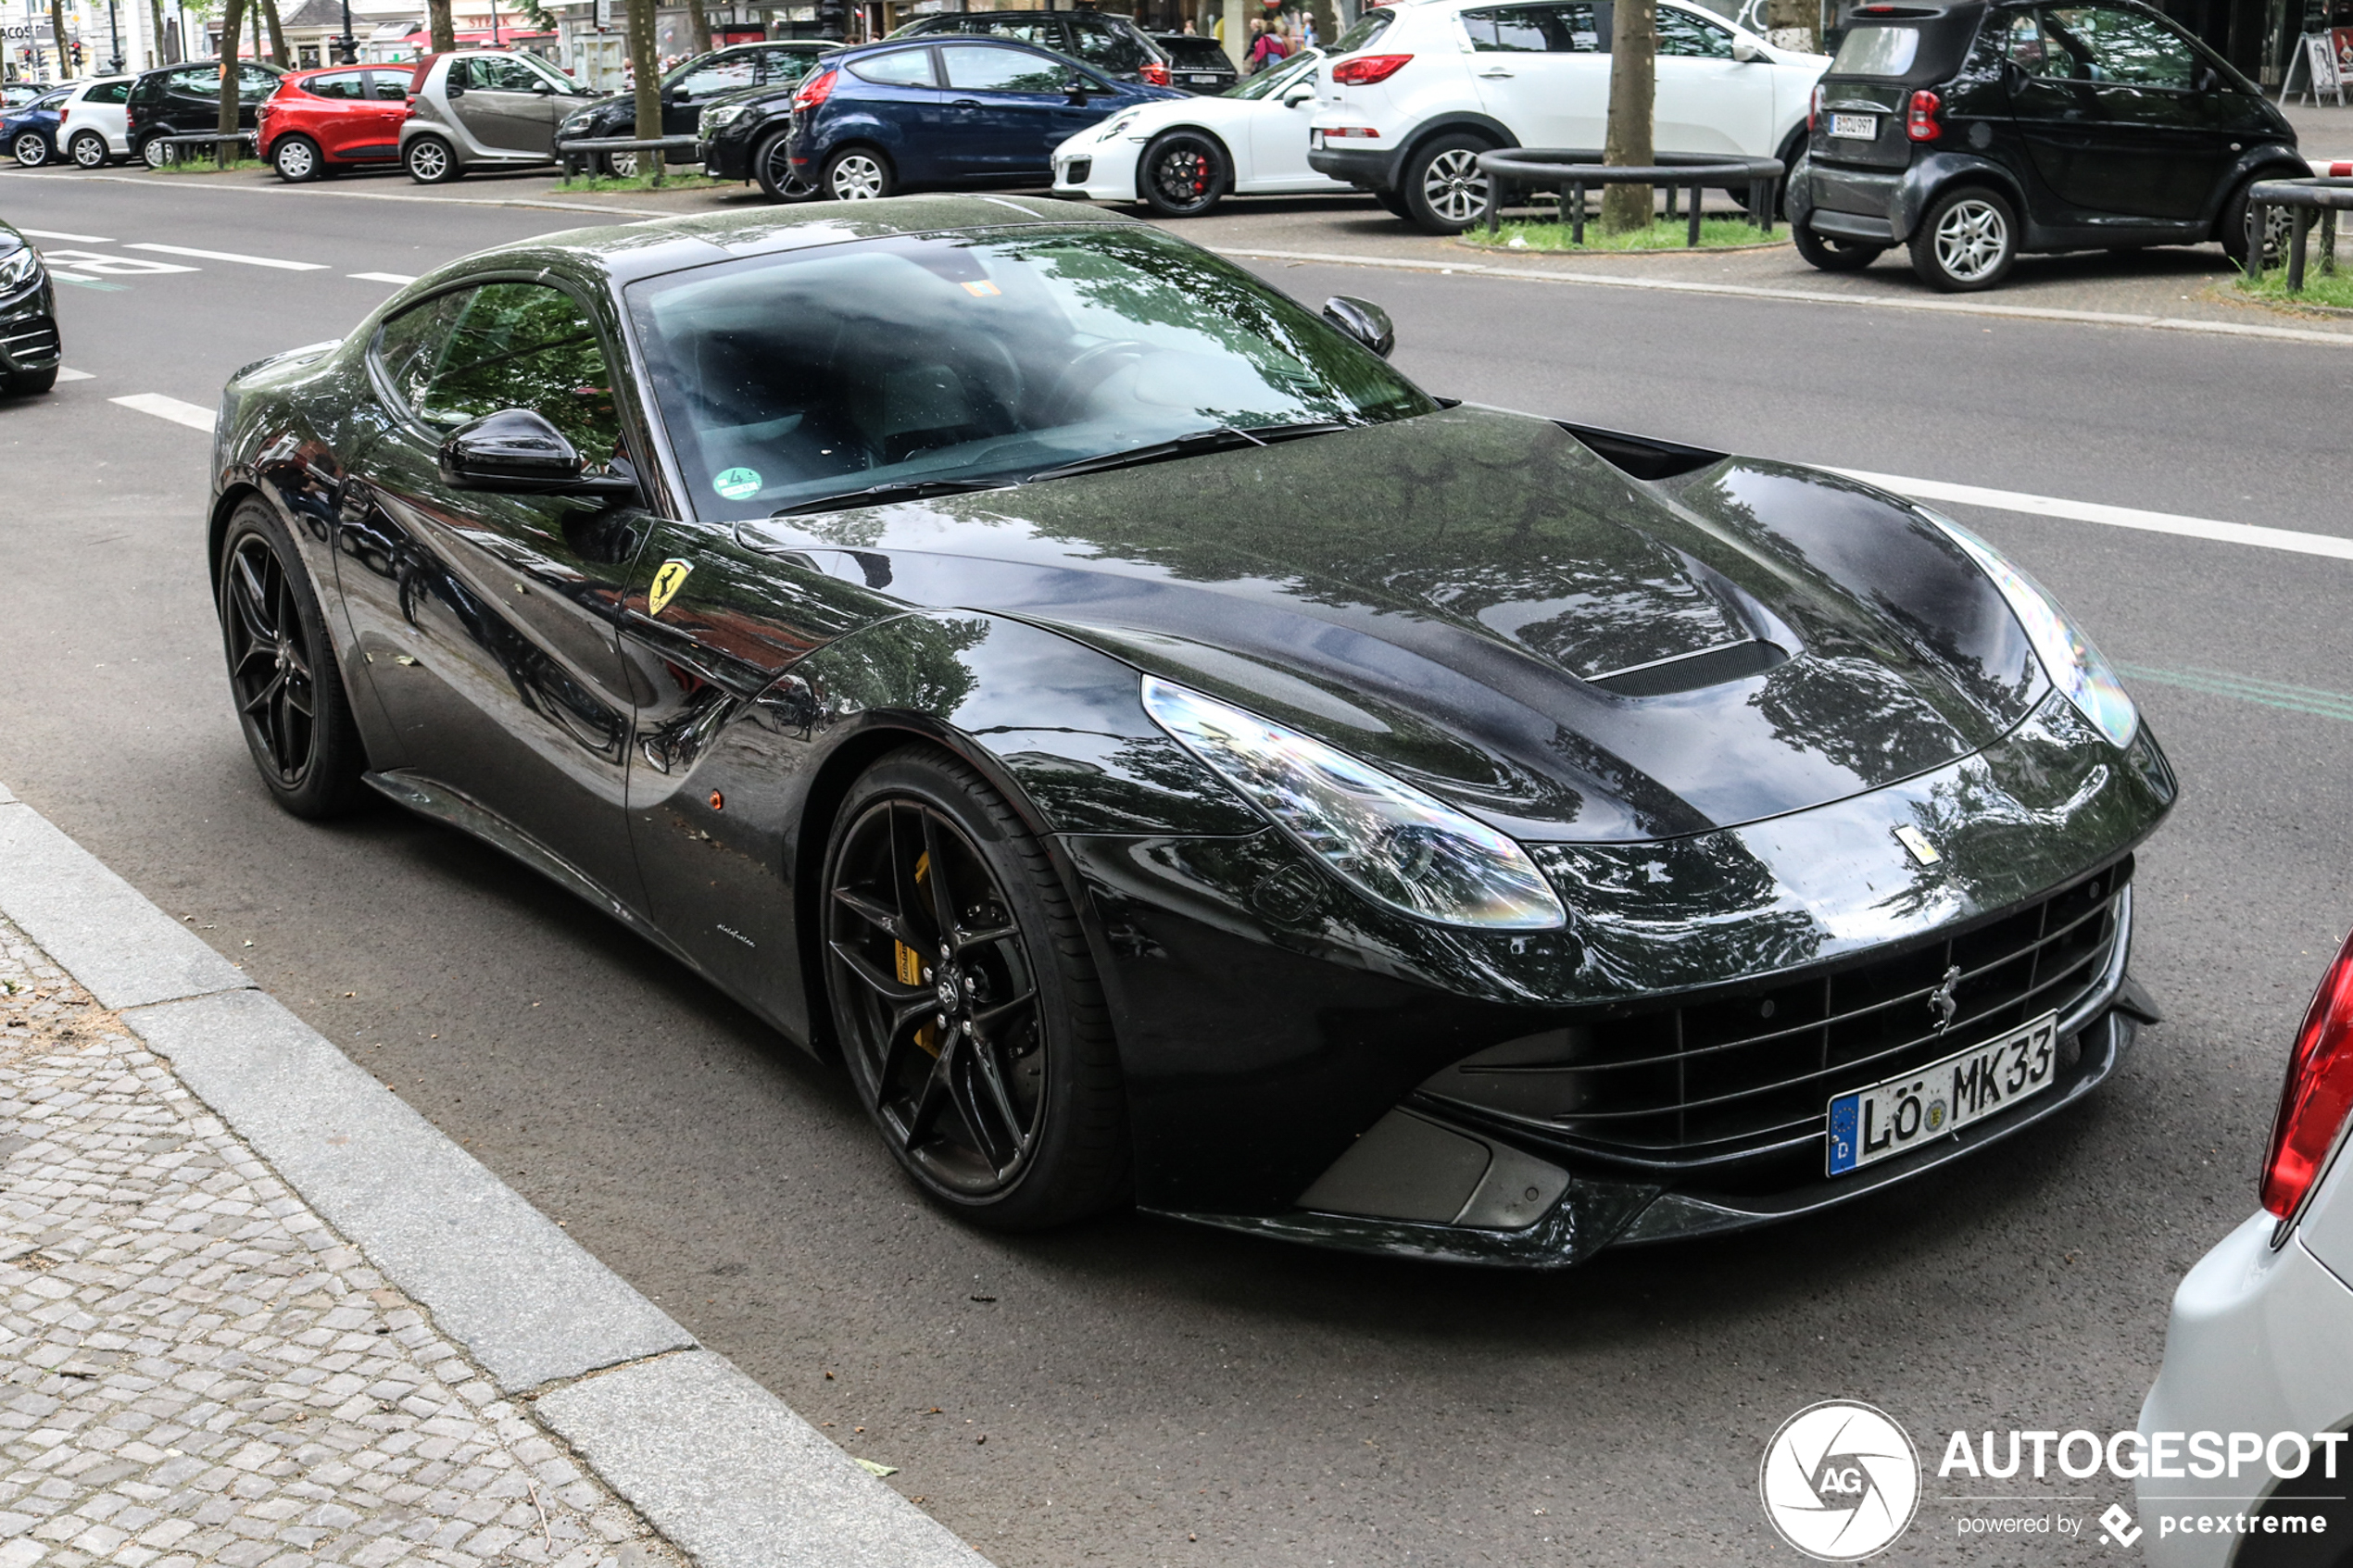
x=737 y=485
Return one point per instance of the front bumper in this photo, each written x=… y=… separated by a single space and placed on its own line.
x=2255 y=1344
x=29 y=336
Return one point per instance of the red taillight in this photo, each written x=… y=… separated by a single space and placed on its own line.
x=1156 y=74
x=1919 y=122
x=1814 y=109
x=1365 y=69
x=2317 y=1093
x=814 y=91
x=64 y=114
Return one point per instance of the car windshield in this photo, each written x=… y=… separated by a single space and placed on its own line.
x=1877 y=50
x=786 y=381
x=1302 y=69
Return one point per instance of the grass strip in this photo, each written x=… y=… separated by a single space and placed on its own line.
x=1715 y=233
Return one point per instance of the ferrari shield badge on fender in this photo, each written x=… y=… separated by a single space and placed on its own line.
x=667 y=582
x=1908 y=835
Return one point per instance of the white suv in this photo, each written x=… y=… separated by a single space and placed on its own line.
x=90 y=121
x=1414 y=92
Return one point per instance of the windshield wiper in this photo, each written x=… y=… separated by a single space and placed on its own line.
x=1217 y=439
x=883 y=495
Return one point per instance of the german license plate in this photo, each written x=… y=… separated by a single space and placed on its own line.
x=1203 y=77
x=1891 y=1118
x=1862 y=127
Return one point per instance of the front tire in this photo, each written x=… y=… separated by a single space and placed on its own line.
x=296 y=159
x=282 y=671
x=1445 y=190
x=1829 y=254
x=2238 y=244
x=772 y=169
x=88 y=150
x=856 y=174
x=965 y=999
x=1966 y=240
x=431 y=162
x=1184 y=174
x=30 y=150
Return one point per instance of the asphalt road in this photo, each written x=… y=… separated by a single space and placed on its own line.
x=1151 y=1394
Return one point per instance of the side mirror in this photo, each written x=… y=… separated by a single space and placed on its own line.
x=1748 y=53
x=544 y=89
x=518 y=452
x=1299 y=95
x=1363 y=320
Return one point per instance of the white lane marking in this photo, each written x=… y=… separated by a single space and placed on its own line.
x=233 y=255
x=66 y=374
x=98 y=261
x=79 y=239
x=171 y=408
x=2114 y=517
x=382 y=277
x=1966 y=305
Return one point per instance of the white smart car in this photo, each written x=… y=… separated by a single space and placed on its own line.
x=1414 y=92
x=1184 y=156
x=93 y=121
x=2247 y=1458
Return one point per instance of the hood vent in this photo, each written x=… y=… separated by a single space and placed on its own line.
x=1690 y=672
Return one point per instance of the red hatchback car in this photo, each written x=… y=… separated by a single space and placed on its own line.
x=341 y=117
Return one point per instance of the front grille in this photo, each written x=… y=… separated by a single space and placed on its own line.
x=1078 y=170
x=30 y=340
x=1737 y=1075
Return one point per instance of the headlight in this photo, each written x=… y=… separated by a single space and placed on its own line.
x=726 y=114
x=575 y=127
x=2074 y=666
x=1119 y=122
x=1383 y=837
x=19 y=268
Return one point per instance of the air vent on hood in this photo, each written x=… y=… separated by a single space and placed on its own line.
x=1690 y=672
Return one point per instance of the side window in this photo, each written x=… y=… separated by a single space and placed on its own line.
x=782 y=67
x=1686 y=36
x=461 y=74
x=2125 y=46
x=197 y=82
x=255 y=83
x=978 y=69
x=348 y=85
x=1107 y=48
x=722 y=73
x=900 y=67
x=1586 y=25
x=1511 y=30
x=501 y=75
x=504 y=346
x=112 y=93
x=390 y=85
x=1020 y=30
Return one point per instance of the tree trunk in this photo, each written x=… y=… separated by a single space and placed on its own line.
x=277 y=36
x=156 y=53
x=697 y=29
x=444 y=31
x=1634 y=90
x=648 y=84
x=57 y=29
x=226 y=150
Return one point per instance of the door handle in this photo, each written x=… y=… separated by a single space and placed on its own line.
x=964 y=103
x=1496 y=75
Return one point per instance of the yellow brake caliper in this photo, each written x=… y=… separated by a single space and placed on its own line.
x=910 y=966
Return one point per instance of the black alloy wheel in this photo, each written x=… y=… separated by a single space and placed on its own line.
x=31 y=149
x=88 y=150
x=965 y=999
x=1831 y=254
x=772 y=166
x=281 y=671
x=1184 y=174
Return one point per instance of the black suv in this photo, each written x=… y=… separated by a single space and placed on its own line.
x=1197 y=64
x=1971 y=131
x=183 y=100
x=726 y=76
x=1111 y=44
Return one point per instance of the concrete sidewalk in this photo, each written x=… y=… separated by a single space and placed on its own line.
x=254 y=1310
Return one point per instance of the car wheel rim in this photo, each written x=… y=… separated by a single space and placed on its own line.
x=937 y=997
x=777 y=166
x=1454 y=187
x=428 y=162
x=624 y=166
x=269 y=666
x=30 y=151
x=295 y=160
x=1971 y=239
x=857 y=179
x=1183 y=177
x=89 y=152
x=157 y=152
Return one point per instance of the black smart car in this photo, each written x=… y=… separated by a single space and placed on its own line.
x=1113 y=46
x=690 y=93
x=1972 y=132
x=185 y=99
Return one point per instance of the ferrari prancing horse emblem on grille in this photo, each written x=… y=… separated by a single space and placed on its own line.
x=668 y=580
x=1941 y=1000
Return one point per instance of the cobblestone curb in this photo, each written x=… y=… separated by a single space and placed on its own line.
x=254 y=1310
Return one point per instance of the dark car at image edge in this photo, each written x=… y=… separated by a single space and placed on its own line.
x=1971 y=132
x=1169 y=758
x=31 y=349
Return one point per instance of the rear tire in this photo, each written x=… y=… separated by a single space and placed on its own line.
x=88 y=150
x=856 y=174
x=1184 y=174
x=154 y=152
x=619 y=165
x=296 y=159
x=282 y=675
x=1831 y=254
x=1445 y=190
x=30 y=150
x=938 y=903
x=1966 y=240
x=431 y=162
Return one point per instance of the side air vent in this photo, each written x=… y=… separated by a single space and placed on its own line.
x=1641 y=456
x=1690 y=672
